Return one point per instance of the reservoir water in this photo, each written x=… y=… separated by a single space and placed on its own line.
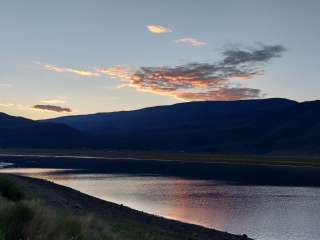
x=260 y=211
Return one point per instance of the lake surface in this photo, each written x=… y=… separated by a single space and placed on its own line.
x=262 y=212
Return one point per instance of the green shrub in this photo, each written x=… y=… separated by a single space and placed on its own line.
x=72 y=228
x=15 y=221
x=10 y=190
x=33 y=220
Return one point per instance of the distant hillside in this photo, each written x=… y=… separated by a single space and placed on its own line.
x=251 y=126
x=234 y=127
x=22 y=132
x=171 y=116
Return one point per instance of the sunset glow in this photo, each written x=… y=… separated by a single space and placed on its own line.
x=102 y=59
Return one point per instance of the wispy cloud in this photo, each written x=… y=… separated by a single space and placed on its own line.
x=191 y=41
x=119 y=71
x=51 y=108
x=158 y=29
x=83 y=73
x=53 y=101
x=260 y=55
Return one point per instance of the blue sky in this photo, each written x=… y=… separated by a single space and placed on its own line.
x=44 y=43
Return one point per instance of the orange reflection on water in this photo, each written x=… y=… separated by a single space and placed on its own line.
x=182 y=203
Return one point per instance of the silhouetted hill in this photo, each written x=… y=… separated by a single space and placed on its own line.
x=235 y=127
x=172 y=115
x=22 y=132
x=296 y=129
x=251 y=126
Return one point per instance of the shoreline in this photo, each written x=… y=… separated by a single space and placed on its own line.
x=255 y=160
x=63 y=198
x=253 y=173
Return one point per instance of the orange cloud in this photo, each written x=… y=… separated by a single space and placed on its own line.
x=195 y=81
x=191 y=41
x=121 y=72
x=208 y=81
x=191 y=82
x=221 y=94
x=158 y=29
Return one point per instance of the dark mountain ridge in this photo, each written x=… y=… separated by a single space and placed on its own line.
x=18 y=132
x=263 y=126
x=176 y=114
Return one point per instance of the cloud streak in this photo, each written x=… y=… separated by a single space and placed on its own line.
x=51 y=108
x=82 y=73
x=158 y=29
x=191 y=41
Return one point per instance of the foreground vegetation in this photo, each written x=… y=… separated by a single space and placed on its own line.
x=36 y=209
x=31 y=219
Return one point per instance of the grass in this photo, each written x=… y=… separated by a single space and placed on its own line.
x=32 y=220
x=23 y=219
x=10 y=190
x=15 y=220
x=26 y=220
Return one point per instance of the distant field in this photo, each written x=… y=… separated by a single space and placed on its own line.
x=302 y=160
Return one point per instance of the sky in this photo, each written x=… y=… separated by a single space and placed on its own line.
x=78 y=57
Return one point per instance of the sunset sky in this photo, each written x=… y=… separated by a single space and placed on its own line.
x=76 y=57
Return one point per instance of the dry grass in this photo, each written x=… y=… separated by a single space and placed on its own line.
x=26 y=220
x=22 y=219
